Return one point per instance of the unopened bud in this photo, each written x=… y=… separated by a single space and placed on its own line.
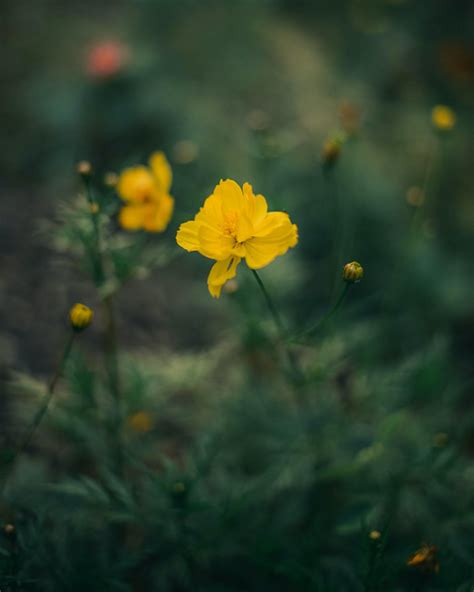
x=9 y=528
x=332 y=149
x=353 y=272
x=231 y=286
x=80 y=316
x=84 y=168
x=110 y=179
x=443 y=117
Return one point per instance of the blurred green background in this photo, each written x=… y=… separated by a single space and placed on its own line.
x=250 y=90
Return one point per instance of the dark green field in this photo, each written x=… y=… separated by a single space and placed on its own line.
x=304 y=432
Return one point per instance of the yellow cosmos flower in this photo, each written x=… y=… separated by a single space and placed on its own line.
x=145 y=190
x=235 y=224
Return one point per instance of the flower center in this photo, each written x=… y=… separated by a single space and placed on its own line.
x=230 y=223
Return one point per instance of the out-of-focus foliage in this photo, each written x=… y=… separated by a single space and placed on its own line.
x=234 y=478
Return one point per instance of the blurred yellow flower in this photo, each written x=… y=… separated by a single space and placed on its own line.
x=145 y=190
x=425 y=559
x=375 y=535
x=443 y=117
x=140 y=422
x=235 y=224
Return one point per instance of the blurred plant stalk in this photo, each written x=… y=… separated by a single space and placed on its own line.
x=296 y=373
x=110 y=336
x=41 y=412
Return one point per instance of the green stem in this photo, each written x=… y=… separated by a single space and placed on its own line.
x=430 y=169
x=296 y=373
x=111 y=356
x=110 y=341
x=41 y=412
x=328 y=315
x=271 y=307
x=94 y=210
x=338 y=227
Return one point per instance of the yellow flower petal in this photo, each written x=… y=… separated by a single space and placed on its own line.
x=277 y=235
x=161 y=170
x=131 y=217
x=244 y=228
x=213 y=243
x=158 y=214
x=211 y=212
x=136 y=184
x=257 y=204
x=231 y=195
x=187 y=236
x=272 y=221
x=220 y=273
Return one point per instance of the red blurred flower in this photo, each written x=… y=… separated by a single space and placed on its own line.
x=106 y=59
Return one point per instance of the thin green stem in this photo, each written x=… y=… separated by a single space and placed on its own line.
x=429 y=167
x=94 y=210
x=296 y=373
x=332 y=311
x=41 y=412
x=110 y=340
x=337 y=226
x=111 y=356
x=271 y=307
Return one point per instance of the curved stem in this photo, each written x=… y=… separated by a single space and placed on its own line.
x=271 y=307
x=297 y=375
x=328 y=315
x=110 y=340
x=41 y=412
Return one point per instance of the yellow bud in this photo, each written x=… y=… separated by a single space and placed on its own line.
x=140 y=422
x=111 y=179
x=80 y=316
x=331 y=150
x=374 y=535
x=353 y=272
x=94 y=208
x=84 y=168
x=443 y=117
